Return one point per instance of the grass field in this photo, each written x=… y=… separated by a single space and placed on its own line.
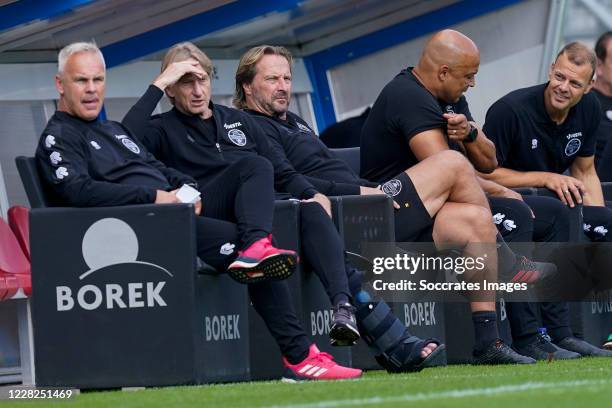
x=585 y=382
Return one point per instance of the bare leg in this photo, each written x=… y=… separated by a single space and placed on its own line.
x=446 y=176
x=469 y=226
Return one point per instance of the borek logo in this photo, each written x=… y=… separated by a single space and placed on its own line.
x=534 y=144
x=224 y=327
x=106 y=243
x=237 y=136
x=420 y=314
x=320 y=322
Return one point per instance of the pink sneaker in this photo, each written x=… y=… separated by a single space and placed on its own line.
x=317 y=366
x=263 y=262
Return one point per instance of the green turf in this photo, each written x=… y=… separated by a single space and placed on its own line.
x=584 y=382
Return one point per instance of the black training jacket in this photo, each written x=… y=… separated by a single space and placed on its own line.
x=307 y=154
x=183 y=142
x=98 y=163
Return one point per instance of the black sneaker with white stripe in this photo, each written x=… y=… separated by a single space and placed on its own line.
x=344 y=331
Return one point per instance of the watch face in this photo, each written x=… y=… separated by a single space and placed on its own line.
x=472 y=135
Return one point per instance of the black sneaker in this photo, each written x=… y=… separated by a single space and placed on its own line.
x=344 y=330
x=527 y=271
x=542 y=349
x=499 y=353
x=583 y=348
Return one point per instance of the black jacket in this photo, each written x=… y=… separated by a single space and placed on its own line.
x=98 y=163
x=183 y=142
x=294 y=139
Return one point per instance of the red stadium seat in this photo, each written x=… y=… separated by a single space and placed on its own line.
x=14 y=266
x=9 y=285
x=18 y=218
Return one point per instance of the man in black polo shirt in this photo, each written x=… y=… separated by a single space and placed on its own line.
x=539 y=133
x=422 y=112
x=602 y=89
x=544 y=130
x=263 y=88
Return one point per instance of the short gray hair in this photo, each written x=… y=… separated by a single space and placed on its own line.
x=76 y=48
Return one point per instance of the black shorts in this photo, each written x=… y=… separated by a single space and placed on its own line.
x=412 y=221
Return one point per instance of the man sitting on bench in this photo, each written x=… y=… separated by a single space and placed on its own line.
x=89 y=162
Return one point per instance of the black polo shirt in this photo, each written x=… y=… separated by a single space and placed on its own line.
x=604 y=132
x=526 y=139
x=403 y=109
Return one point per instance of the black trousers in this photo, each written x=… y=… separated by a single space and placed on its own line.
x=323 y=250
x=216 y=245
x=597 y=222
x=513 y=219
x=243 y=193
x=241 y=200
x=272 y=300
x=516 y=224
x=551 y=224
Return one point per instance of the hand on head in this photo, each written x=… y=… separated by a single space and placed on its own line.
x=176 y=71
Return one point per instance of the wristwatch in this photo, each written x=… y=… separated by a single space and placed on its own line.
x=472 y=134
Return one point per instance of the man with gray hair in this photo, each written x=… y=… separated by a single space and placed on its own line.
x=87 y=162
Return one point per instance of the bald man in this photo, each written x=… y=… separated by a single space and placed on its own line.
x=432 y=116
x=422 y=112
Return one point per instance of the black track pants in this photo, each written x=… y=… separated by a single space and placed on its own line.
x=243 y=193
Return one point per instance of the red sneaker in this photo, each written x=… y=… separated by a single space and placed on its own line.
x=317 y=366
x=261 y=261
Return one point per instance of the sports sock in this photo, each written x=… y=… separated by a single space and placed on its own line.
x=559 y=333
x=507 y=259
x=485 y=329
